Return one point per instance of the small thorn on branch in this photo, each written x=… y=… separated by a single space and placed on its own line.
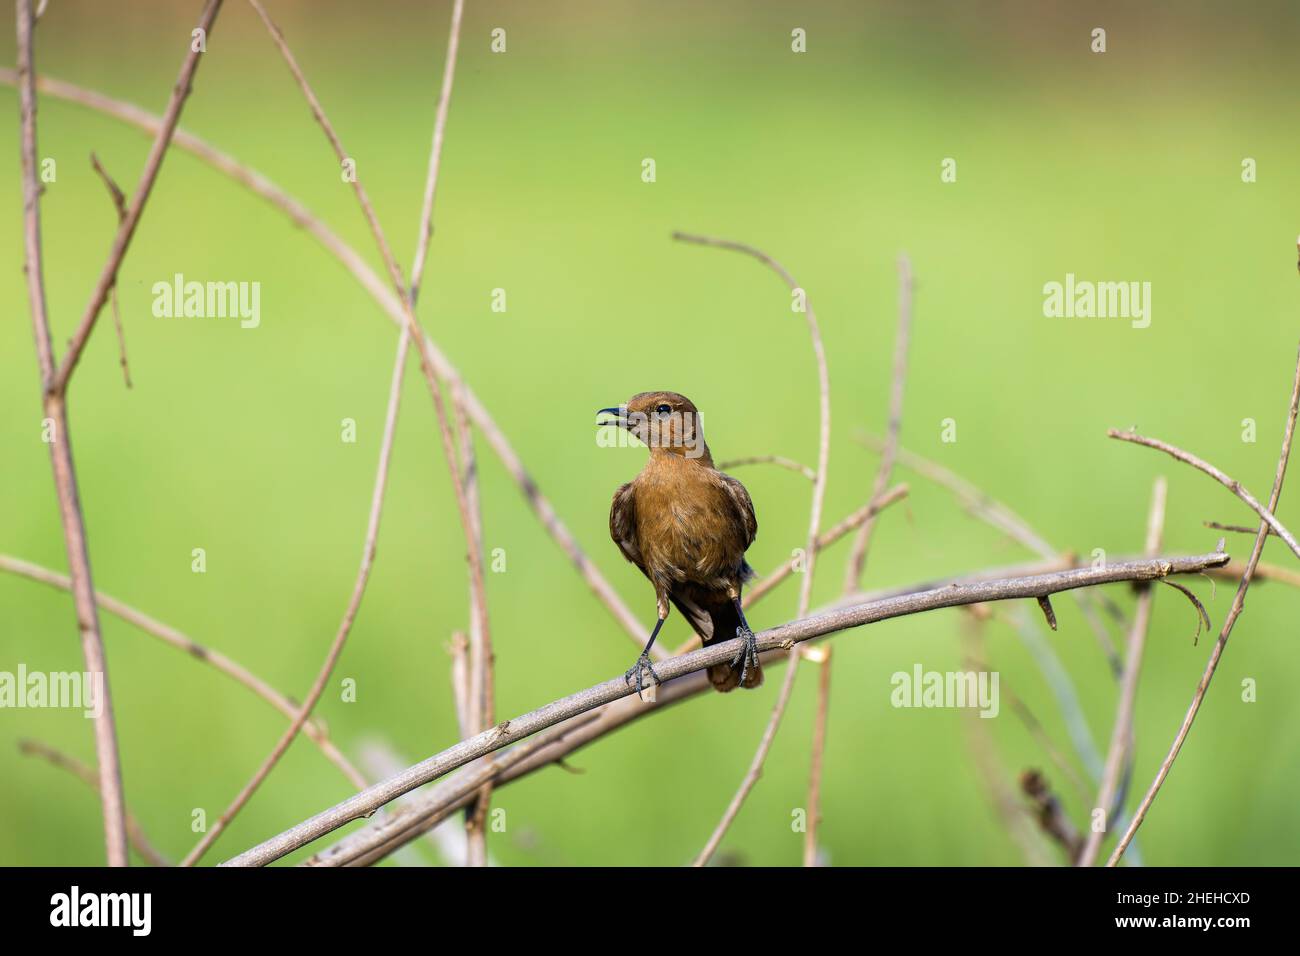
x=1045 y=603
x=1202 y=616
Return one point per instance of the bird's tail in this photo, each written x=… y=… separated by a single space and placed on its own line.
x=721 y=622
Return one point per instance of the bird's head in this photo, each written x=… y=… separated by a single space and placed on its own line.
x=667 y=422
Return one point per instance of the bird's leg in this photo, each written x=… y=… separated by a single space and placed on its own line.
x=747 y=656
x=643 y=664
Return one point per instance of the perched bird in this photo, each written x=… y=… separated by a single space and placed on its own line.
x=687 y=526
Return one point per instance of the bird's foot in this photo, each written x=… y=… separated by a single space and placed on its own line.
x=638 y=671
x=747 y=656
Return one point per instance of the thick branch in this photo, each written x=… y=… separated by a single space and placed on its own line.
x=785 y=636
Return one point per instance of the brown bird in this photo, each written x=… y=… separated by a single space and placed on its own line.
x=687 y=526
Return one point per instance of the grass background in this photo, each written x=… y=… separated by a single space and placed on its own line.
x=1122 y=166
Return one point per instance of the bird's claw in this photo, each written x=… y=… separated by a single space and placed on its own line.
x=747 y=656
x=638 y=671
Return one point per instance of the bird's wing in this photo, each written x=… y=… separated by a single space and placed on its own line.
x=622 y=524
x=743 y=505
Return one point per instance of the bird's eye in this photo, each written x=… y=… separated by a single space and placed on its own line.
x=664 y=409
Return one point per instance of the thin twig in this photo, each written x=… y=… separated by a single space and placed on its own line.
x=785 y=637
x=858 y=556
x=1239 y=528
x=126 y=229
x=392 y=308
x=1238 y=603
x=345 y=625
x=779 y=460
x=112 y=796
x=826 y=539
x=478 y=700
x=134 y=832
x=435 y=151
x=200 y=652
x=459 y=651
x=814 y=524
x=480 y=703
x=1121 y=737
x=820 y=719
x=119 y=204
x=1231 y=484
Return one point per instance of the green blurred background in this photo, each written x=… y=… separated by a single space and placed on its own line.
x=1122 y=166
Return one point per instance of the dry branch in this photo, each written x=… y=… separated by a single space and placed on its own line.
x=784 y=637
x=814 y=524
x=1119 y=754
x=858 y=557
x=200 y=652
x=1238 y=604
x=392 y=306
x=608 y=718
x=345 y=625
x=126 y=229
x=1228 y=482
x=57 y=758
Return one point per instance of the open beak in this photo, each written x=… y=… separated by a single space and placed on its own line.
x=620 y=416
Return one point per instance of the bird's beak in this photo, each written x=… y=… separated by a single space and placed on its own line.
x=620 y=416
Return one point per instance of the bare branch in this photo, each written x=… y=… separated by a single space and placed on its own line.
x=392 y=307
x=814 y=523
x=345 y=626
x=126 y=229
x=1238 y=603
x=134 y=832
x=1230 y=483
x=858 y=557
x=818 y=752
x=779 y=460
x=435 y=151
x=1239 y=528
x=826 y=539
x=200 y=652
x=608 y=718
x=119 y=203
x=784 y=637
x=111 y=794
x=1003 y=519
x=1120 y=751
